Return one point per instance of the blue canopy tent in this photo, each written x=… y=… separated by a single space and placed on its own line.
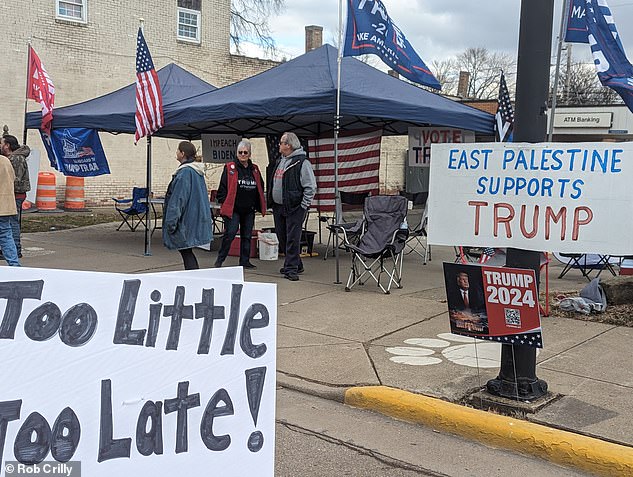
x=114 y=112
x=300 y=95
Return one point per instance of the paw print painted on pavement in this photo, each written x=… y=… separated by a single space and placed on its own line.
x=469 y=352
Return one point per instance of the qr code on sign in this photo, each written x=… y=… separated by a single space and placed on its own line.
x=513 y=317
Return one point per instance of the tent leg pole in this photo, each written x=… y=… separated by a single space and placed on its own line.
x=337 y=122
x=148 y=182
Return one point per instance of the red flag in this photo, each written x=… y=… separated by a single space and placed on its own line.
x=358 y=166
x=149 y=99
x=40 y=88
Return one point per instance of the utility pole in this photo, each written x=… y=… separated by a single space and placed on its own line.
x=517 y=376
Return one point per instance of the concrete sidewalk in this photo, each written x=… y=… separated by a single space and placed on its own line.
x=382 y=351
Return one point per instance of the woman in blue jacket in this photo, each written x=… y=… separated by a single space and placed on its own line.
x=187 y=212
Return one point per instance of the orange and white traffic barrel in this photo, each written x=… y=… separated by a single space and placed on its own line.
x=74 y=199
x=46 y=191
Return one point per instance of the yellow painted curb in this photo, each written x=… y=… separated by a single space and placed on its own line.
x=562 y=447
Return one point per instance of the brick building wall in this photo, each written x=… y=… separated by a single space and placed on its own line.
x=89 y=59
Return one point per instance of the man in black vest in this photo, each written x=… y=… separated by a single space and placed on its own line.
x=290 y=193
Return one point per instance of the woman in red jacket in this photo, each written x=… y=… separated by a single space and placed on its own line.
x=241 y=193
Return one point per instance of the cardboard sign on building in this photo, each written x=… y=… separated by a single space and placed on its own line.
x=420 y=140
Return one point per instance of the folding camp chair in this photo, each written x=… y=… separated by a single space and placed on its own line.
x=584 y=262
x=467 y=254
x=416 y=243
x=351 y=205
x=380 y=244
x=136 y=213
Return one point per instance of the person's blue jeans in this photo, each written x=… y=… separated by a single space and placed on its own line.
x=245 y=222
x=15 y=226
x=7 y=243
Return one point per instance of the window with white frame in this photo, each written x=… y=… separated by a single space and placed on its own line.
x=74 y=10
x=189 y=20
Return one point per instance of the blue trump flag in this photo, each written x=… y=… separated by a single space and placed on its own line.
x=614 y=68
x=76 y=152
x=576 y=31
x=369 y=30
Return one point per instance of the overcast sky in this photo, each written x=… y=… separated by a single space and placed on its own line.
x=438 y=29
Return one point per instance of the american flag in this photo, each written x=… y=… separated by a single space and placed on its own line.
x=149 y=99
x=40 y=88
x=486 y=254
x=504 y=119
x=358 y=166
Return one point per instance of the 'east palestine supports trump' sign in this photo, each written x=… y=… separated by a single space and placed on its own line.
x=564 y=197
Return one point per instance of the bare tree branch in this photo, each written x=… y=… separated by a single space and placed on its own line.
x=249 y=22
x=580 y=85
x=484 y=68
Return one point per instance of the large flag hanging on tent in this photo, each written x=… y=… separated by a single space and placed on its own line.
x=39 y=87
x=358 y=166
x=149 y=99
x=614 y=68
x=504 y=118
x=370 y=30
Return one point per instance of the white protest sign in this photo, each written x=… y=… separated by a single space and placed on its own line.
x=563 y=197
x=420 y=140
x=33 y=163
x=219 y=148
x=137 y=374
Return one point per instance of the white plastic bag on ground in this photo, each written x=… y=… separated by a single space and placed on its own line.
x=268 y=245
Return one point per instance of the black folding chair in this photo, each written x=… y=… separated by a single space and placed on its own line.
x=136 y=213
x=417 y=243
x=381 y=241
x=585 y=263
x=351 y=205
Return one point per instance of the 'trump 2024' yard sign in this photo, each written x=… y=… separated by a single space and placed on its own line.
x=164 y=375
x=565 y=197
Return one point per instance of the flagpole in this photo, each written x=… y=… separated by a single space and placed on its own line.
x=148 y=180
x=26 y=92
x=563 y=26
x=337 y=122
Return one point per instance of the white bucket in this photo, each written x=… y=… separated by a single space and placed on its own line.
x=268 y=246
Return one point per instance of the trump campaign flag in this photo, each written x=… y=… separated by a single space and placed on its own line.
x=370 y=30
x=614 y=68
x=149 y=99
x=40 y=87
x=576 y=31
x=76 y=152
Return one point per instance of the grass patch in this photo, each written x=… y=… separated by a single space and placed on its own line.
x=619 y=315
x=48 y=221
